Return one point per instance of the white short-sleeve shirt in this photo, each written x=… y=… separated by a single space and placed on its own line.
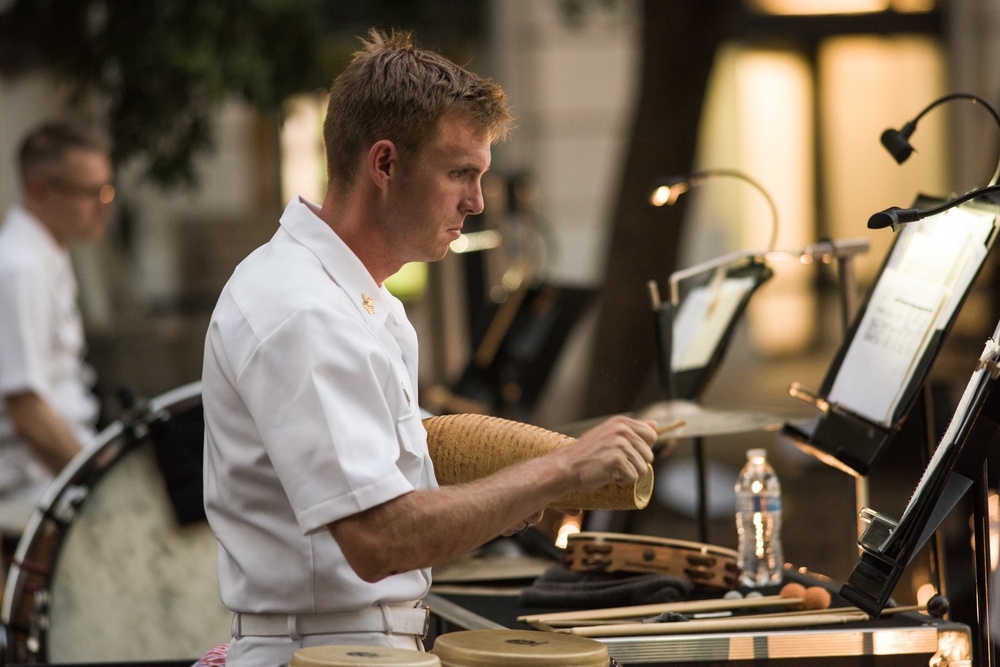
x=41 y=343
x=310 y=396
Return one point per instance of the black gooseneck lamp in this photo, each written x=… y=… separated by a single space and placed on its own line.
x=897 y=142
x=667 y=190
x=897 y=217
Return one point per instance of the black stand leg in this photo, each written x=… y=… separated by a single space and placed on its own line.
x=699 y=458
x=981 y=537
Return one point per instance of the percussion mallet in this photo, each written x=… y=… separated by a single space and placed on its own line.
x=672 y=426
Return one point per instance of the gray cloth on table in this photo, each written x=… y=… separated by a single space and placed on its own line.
x=568 y=589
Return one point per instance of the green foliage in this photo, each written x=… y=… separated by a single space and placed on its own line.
x=161 y=67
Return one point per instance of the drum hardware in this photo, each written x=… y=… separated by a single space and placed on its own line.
x=68 y=504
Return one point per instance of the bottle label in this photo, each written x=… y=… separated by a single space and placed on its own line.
x=761 y=504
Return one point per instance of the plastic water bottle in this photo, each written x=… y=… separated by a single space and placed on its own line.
x=758 y=522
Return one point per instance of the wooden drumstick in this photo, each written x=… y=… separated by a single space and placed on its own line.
x=639 y=611
x=791 y=620
x=847 y=610
x=672 y=426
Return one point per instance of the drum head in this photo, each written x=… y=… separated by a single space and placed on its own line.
x=352 y=656
x=130 y=582
x=106 y=572
x=518 y=648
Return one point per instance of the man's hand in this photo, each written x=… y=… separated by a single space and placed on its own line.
x=616 y=451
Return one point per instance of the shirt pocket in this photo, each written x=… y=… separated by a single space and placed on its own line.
x=414 y=461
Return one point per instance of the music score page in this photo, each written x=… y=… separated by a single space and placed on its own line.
x=703 y=318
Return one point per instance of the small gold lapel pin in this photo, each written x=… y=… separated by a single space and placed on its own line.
x=369 y=303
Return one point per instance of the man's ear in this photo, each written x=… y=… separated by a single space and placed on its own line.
x=383 y=161
x=35 y=188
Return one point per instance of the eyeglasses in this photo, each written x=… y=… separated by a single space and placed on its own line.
x=104 y=193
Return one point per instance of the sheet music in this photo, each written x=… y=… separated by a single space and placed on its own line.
x=895 y=327
x=917 y=295
x=702 y=319
x=948 y=249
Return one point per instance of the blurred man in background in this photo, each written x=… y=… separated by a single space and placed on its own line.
x=48 y=412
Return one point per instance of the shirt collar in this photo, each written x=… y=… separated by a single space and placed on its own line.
x=302 y=222
x=33 y=227
x=30 y=228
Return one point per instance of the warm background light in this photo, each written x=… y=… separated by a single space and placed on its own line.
x=817 y=7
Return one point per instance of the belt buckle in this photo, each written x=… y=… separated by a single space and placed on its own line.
x=427 y=621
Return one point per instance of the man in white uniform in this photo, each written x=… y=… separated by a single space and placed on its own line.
x=318 y=483
x=48 y=409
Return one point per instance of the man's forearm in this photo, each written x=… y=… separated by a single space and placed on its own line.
x=49 y=436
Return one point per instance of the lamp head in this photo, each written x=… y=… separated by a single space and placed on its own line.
x=893 y=216
x=668 y=190
x=897 y=142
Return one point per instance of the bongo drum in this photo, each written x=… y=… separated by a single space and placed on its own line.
x=519 y=648
x=355 y=656
x=104 y=570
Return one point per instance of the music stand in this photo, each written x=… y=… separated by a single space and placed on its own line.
x=880 y=367
x=693 y=333
x=958 y=464
x=691 y=342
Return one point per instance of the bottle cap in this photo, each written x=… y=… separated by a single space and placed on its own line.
x=756 y=454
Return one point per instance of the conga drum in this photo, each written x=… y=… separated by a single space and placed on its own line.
x=519 y=648
x=355 y=656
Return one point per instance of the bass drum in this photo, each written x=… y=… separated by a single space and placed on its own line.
x=109 y=568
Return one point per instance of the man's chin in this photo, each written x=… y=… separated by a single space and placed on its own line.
x=440 y=253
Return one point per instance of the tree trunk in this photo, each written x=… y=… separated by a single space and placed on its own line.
x=679 y=41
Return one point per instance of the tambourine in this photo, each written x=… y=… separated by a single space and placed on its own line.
x=701 y=564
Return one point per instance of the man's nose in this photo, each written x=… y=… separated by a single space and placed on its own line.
x=474 y=204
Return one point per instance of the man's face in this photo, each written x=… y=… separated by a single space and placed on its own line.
x=75 y=203
x=437 y=189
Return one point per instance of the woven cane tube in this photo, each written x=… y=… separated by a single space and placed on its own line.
x=467 y=447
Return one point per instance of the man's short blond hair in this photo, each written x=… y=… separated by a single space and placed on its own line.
x=393 y=90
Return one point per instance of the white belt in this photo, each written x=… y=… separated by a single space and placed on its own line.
x=386 y=619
